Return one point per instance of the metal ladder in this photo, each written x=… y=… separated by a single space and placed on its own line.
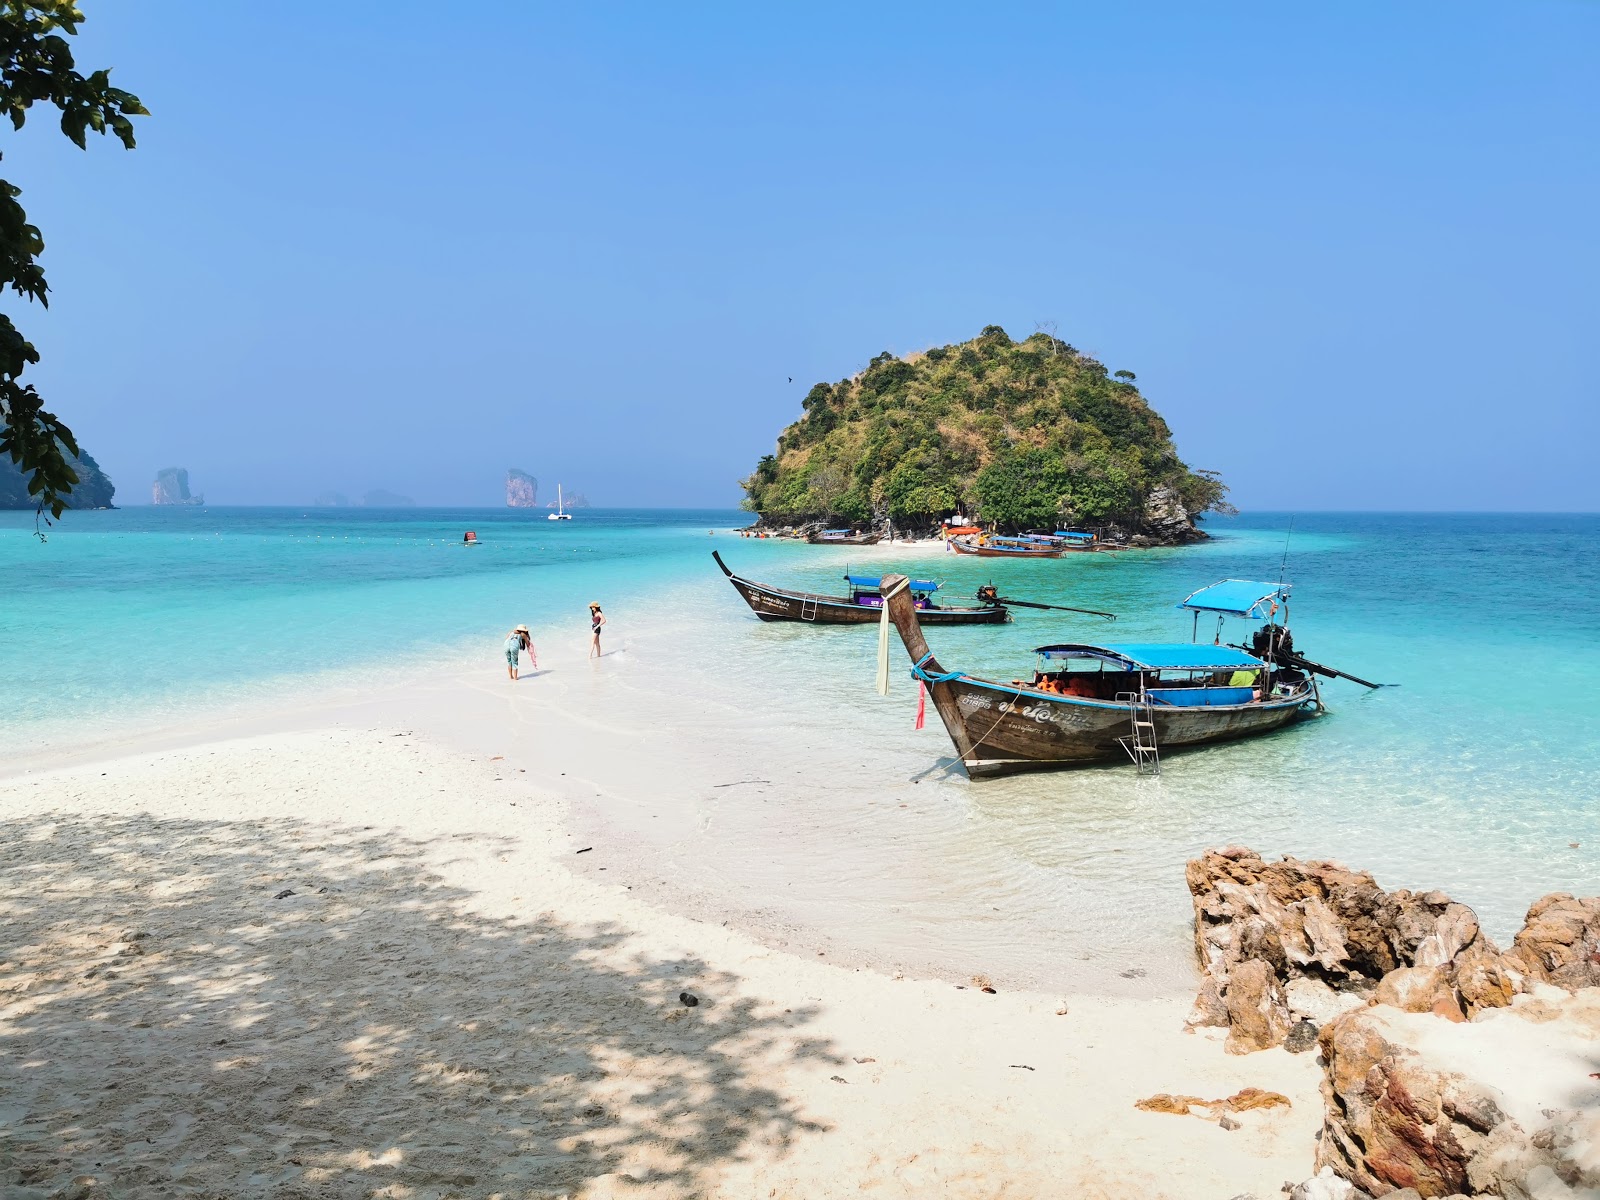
x=808 y=608
x=1141 y=740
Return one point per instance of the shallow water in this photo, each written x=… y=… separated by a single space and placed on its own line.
x=758 y=774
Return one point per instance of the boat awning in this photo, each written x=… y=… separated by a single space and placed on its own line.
x=1159 y=656
x=1077 y=537
x=1239 y=598
x=873 y=583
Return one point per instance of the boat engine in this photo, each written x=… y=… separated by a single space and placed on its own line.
x=989 y=594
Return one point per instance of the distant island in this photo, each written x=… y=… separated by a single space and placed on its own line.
x=172 y=487
x=572 y=500
x=522 y=489
x=93 y=489
x=1029 y=435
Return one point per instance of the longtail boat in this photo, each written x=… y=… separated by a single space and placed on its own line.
x=843 y=537
x=864 y=604
x=1087 y=703
x=1003 y=547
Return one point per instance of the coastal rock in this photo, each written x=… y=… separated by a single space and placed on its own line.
x=93 y=489
x=522 y=489
x=1257 y=1016
x=1325 y=1185
x=1165 y=517
x=1559 y=942
x=1328 y=936
x=1497 y=1106
x=172 y=487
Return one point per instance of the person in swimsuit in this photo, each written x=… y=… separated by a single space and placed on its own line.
x=597 y=621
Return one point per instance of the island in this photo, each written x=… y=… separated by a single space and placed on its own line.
x=522 y=489
x=381 y=498
x=93 y=489
x=172 y=487
x=1030 y=435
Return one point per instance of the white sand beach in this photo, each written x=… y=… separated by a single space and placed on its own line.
x=352 y=961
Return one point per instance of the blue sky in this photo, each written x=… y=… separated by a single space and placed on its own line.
x=1350 y=250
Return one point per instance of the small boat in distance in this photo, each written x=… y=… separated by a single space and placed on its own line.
x=1087 y=703
x=561 y=513
x=1006 y=547
x=843 y=537
x=864 y=604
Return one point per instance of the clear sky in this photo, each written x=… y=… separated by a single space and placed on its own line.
x=1351 y=250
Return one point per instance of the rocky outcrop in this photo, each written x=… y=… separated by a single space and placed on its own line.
x=1560 y=942
x=522 y=489
x=172 y=487
x=1166 y=519
x=1294 y=941
x=94 y=488
x=1504 y=1105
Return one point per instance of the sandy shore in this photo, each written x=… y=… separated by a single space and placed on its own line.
x=442 y=1008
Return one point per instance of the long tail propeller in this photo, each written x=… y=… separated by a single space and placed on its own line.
x=989 y=596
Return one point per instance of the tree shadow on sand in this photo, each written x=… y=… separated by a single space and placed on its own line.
x=168 y=1027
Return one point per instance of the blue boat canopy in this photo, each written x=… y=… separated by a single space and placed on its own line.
x=1239 y=598
x=873 y=583
x=1159 y=656
x=1077 y=537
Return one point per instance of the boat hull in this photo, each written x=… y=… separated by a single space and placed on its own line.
x=1011 y=729
x=866 y=539
x=776 y=604
x=997 y=552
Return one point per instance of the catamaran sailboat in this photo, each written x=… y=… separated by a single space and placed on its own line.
x=561 y=513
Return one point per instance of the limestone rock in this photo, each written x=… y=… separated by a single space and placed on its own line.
x=1414 y=989
x=1324 y=1185
x=1257 y=1016
x=522 y=489
x=1497 y=1106
x=1302 y=1038
x=1560 y=941
x=172 y=487
x=1327 y=935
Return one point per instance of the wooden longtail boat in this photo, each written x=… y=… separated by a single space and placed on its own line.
x=863 y=606
x=1007 y=548
x=843 y=537
x=1089 y=703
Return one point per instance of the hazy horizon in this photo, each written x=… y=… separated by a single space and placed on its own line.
x=1349 y=253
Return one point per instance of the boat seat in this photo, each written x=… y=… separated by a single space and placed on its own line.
x=1200 y=697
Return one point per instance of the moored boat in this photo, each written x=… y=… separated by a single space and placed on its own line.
x=843 y=537
x=1086 y=703
x=1006 y=547
x=864 y=604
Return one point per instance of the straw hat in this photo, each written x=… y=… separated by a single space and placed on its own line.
x=594 y=604
x=520 y=629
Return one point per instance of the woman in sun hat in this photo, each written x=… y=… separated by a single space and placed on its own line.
x=518 y=640
x=597 y=621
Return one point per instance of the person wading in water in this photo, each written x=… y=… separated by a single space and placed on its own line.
x=597 y=621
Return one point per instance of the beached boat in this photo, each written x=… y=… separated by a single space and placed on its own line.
x=1006 y=547
x=1087 y=703
x=843 y=537
x=862 y=606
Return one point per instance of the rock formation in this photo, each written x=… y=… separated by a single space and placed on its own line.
x=172 y=487
x=1504 y=1105
x=1290 y=941
x=1452 y=1068
x=93 y=489
x=332 y=500
x=522 y=489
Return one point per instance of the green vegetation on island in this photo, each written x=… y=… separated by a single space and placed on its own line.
x=1021 y=435
x=93 y=489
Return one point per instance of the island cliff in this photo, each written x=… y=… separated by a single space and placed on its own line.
x=93 y=489
x=1021 y=435
x=522 y=489
x=172 y=487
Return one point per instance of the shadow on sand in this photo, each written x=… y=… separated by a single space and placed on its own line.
x=168 y=1027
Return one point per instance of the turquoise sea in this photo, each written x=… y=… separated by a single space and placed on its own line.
x=1478 y=774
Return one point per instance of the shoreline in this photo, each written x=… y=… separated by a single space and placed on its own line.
x=792 y=1076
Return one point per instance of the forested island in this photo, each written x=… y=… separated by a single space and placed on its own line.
x=1020 y=435
x=93 y=489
